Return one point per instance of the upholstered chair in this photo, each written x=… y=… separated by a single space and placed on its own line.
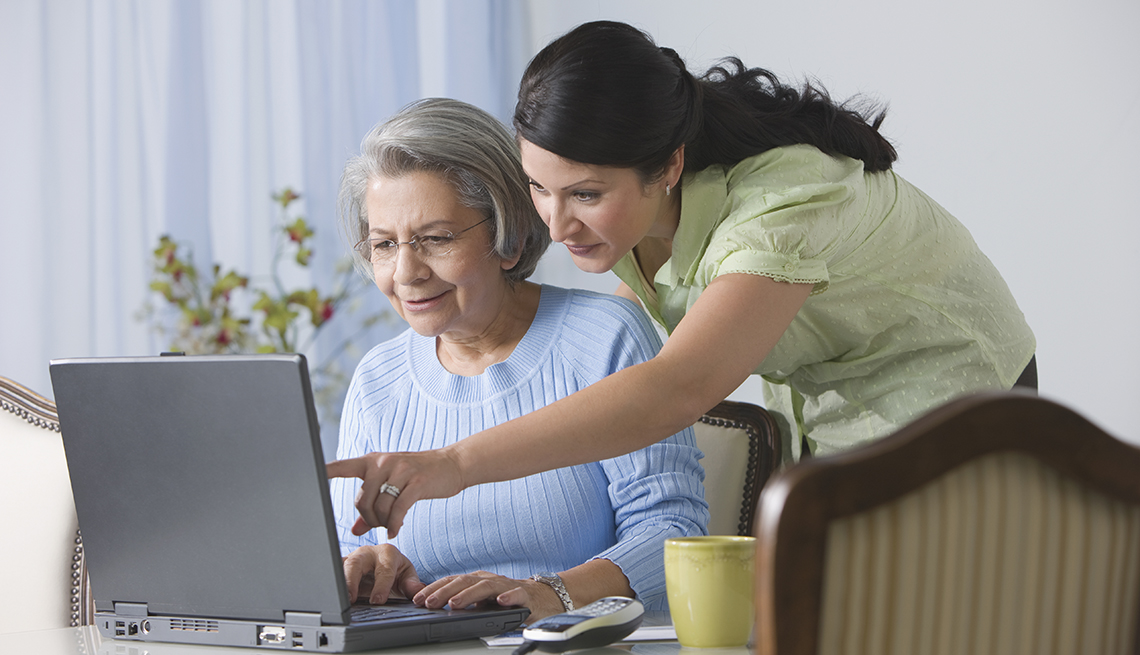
x=741 y=447
x=1001 y=523
x=42 y=572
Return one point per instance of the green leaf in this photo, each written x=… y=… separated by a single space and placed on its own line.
x=286 y=196
x=304 y=297
x=227 y=283
x=298 y=230
x=303 y=256
x=164 y=288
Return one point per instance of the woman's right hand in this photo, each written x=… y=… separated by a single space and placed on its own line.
x=414 y=476
x=377 y=572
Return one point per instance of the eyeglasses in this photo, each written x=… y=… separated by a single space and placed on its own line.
x=383 y=251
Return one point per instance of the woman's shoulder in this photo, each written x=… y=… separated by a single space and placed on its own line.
x=795 y=178
x=794 y=166
x=605 y=310
x=776 y=170
x=387 y=359
x=382 y=375
x=590 y=320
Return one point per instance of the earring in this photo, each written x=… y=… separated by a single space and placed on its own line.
x=666 y=188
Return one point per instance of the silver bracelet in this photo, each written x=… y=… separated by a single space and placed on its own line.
x=554 y=581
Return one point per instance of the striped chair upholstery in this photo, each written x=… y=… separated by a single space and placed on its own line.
x=1001 y=523
x=741 y=446
x=43 y=573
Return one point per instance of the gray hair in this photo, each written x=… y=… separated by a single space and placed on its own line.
x=473 y=151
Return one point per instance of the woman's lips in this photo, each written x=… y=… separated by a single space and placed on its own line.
x=421 y=304
x=580 y=251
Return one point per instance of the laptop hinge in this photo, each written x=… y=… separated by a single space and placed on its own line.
x=303 y=618
x=131 y=609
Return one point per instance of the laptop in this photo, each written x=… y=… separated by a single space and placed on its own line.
x=201 y=494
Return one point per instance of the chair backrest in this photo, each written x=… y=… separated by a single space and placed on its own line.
x=999 y=523
x=741 y=447
x=42 y=569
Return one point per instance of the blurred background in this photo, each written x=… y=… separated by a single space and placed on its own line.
x=123 y=121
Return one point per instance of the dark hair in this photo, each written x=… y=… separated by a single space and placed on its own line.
x=605 y=94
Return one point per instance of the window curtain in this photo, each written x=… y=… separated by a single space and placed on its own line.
x=124 y=120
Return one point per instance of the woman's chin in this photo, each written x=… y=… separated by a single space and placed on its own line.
x=425 y=324
x=591 y=263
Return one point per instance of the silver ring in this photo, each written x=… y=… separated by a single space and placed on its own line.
x=390 y=489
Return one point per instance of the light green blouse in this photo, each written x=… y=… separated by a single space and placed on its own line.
x=906 y=313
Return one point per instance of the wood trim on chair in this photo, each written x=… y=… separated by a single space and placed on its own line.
x=798 y=504
x=41 y=412
x=764 y=450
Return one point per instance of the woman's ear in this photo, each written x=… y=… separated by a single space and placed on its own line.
x=507 y=263
x=675 y=166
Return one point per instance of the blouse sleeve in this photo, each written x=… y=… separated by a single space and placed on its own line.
x=656 y=492
x=784 y=215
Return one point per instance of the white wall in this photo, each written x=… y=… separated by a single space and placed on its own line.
x=1019 y=117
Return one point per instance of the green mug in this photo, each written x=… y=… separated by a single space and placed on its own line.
x=710 y=584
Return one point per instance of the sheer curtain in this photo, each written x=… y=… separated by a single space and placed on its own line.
x=122 y=121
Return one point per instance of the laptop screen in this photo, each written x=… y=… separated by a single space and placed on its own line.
x=200 y=485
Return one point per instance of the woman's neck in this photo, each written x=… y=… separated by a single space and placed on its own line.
x=471 y=356
x=651 y=254
x=656 y=247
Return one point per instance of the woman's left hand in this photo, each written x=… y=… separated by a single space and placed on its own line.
x=460 y=591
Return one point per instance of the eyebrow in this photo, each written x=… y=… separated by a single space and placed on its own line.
x=588 y=180
x=426 y=226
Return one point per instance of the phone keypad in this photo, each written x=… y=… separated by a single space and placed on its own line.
x=603 y=607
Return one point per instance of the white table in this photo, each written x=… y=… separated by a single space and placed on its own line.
x=87 y=641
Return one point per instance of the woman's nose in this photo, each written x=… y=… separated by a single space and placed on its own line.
x=409 y=265
x=561 y=222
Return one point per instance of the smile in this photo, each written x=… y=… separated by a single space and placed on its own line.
x=421 y=304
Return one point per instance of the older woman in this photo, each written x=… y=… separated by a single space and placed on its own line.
x=446 y=227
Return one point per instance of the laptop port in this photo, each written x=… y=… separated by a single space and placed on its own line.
x=271 y=634
x=132 y=629
x=322 y=640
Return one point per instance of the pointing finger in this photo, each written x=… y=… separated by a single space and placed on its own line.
x=346 y=468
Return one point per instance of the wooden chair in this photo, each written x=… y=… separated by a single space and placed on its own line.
x=742 y=447
x=999 y=523
x=42 y=570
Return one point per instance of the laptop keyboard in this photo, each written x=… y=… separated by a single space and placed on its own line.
x=370 y=613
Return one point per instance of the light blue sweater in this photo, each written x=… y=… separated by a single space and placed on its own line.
x=622 y=509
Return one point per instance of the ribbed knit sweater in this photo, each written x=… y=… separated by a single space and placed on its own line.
x=622 y=509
